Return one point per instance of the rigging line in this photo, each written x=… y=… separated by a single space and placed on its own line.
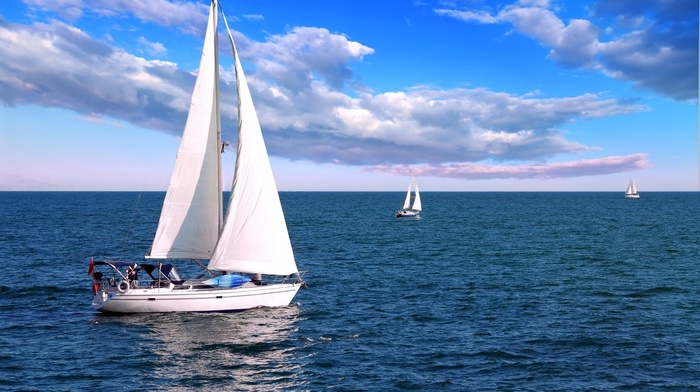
x=203 y=267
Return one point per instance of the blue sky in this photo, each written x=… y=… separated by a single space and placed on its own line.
x=472 y=95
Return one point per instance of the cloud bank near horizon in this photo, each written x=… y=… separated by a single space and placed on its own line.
x=475 y=171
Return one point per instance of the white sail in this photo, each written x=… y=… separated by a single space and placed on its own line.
x=416 y=203
x=407 y=202
x=254 y=238
x=192 y=215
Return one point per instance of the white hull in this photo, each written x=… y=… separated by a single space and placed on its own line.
x=167 y=299
x=635 y=196
x=407 y=213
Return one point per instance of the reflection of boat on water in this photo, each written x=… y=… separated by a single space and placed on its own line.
x=218 y=351
x=252 y=240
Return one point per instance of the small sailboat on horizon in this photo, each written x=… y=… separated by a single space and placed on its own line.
x=631 y=192
x=248 y=254
x=409 y=210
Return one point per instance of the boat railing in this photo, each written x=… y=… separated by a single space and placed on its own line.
x=293 y=278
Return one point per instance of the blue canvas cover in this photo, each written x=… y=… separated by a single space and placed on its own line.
x=227 y=281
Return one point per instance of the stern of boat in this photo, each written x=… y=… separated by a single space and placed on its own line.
x=100 y=298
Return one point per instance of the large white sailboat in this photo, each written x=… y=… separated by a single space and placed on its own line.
x=631 y=192
x=409 y=210
x=249 y=256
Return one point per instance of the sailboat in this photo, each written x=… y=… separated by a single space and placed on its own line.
x=631 y=192
x=248 y=254
x=409 y=210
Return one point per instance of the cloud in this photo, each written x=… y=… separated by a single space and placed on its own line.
x=474 y=171
x=68 y=9
x=255 y=17
x=434 y=126
x=311 y=104
x=95 y=118
x=57 y=65
x=652 y=44
x=152 y=48
x=294 y=59
x=467 y=16
x=16 y=182
x=186 y=16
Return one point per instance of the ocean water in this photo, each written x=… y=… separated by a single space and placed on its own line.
x=502 y=291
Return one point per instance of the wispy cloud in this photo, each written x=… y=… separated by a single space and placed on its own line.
x=255 y=17
x=186 y=16
x=475 y=171
x=71 y=10
x=96 y=118
x=152 y=48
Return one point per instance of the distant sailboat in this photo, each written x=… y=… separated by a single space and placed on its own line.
x=631 y=192
x=251 y=242
x=407 y=210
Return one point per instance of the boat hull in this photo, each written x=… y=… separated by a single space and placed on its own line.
x=407 y=213
x=169 y=299
x=633 y=196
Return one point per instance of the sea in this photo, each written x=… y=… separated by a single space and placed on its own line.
x=485 y=291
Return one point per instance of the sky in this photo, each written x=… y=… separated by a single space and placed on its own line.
x=471 y=95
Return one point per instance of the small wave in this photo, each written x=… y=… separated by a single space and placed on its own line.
x=604 y=294
x=503 y=355
x=654 y=291
x=50 y=290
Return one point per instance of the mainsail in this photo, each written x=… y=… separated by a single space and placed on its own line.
x=192 y=216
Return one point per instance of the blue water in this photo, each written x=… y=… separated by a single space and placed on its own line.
x=486 y=291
